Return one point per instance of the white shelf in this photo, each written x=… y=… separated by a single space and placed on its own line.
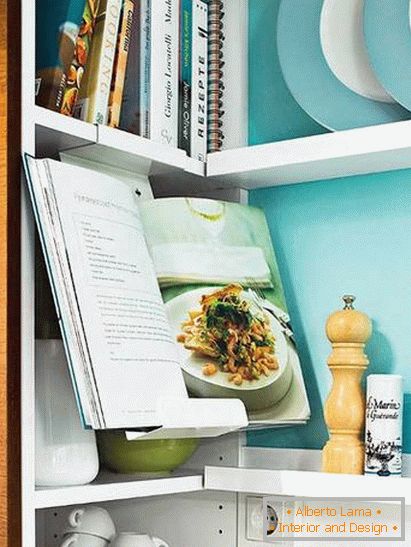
x=136 y=153
x=56 y=133
x=304 y=483
x=109 y=487
x=345 y=153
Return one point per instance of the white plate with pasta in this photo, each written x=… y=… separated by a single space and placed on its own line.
x=229 y=347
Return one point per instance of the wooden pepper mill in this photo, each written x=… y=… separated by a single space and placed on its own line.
x=347 y=330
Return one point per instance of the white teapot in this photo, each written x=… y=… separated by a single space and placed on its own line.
x=128 y=539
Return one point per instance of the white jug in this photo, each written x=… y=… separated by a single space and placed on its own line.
x=66 y=454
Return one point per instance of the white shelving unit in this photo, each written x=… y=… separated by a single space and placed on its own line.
x=332 y=155
x=342 y=154
x=56 y=133
x=184 y=497
x=108 y=487
x=304 y=483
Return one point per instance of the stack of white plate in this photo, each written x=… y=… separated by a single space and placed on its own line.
x=347 y=62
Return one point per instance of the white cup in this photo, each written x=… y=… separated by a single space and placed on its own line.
x=128 y=539
x=83 y=540
x=94 y=521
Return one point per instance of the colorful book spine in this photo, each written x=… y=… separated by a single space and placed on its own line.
x=145 y=63
x=164 y=71
x=57 y=30
x=199 y=80
x=120 y=63
x=94 y=95
x=130 y=106
x=74 y=75
x=186 y=25
x=216 y=38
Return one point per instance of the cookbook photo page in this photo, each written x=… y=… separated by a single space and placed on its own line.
x=218 y=274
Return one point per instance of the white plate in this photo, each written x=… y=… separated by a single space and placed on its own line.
x=253 y=393
x=388 y=39
x=343 y=43
x=312 y=82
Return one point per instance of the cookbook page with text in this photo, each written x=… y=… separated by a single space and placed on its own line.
x=133 y=355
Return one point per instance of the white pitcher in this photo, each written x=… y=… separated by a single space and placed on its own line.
x=128 y=539
x=66 y=454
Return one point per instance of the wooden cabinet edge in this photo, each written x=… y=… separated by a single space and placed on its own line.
x=10 y=484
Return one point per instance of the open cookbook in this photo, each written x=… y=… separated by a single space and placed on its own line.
x=165 y=304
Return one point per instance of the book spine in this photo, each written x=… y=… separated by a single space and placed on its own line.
x=164 y=72
x=57 y=31
x=145 y=61
x=186 y=25
x=70 y=85
x=98 y=113
x=199 y=81
x=216 y=39
x=130 y=106
x=120 y=64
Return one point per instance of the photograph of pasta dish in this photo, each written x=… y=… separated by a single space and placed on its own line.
x=226 y=308
x=237 y=336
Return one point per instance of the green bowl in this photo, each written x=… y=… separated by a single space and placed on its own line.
x=143 y=457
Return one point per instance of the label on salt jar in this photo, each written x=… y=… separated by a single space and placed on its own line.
x=383 y=427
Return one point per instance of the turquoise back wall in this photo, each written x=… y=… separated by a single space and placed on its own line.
x=334 y=237
x=273 y=113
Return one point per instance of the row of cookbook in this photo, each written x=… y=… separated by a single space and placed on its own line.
x=138 y=65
